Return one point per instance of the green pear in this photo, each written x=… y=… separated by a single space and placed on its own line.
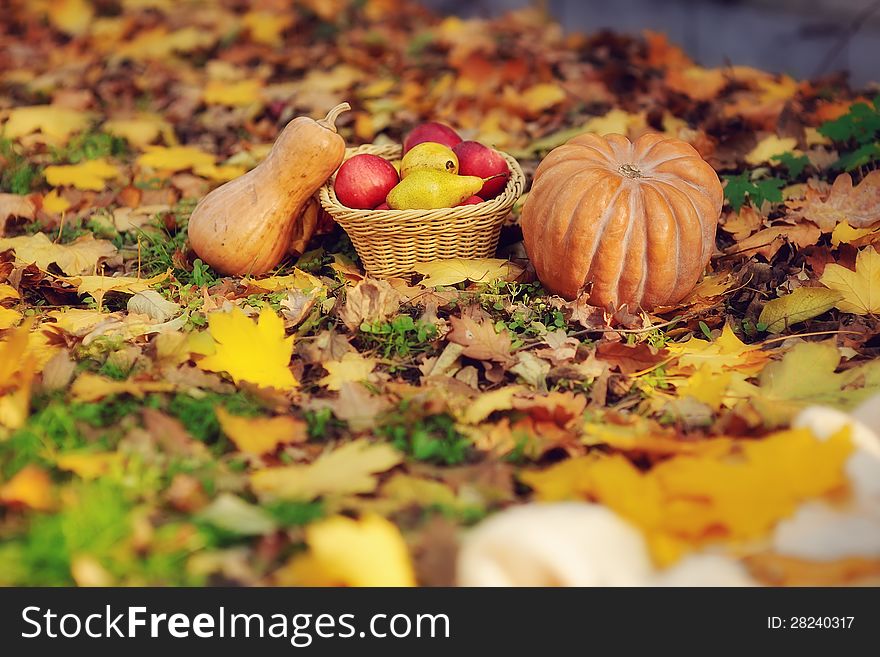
x=428 y=189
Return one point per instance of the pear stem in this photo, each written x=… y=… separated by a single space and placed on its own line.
x=497 y=175
x=329 y=121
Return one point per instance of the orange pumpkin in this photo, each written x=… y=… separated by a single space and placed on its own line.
x=633 y=221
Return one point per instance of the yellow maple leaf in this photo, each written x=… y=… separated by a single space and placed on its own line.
x=456 y=270
x=261 y=435
x=542 y=97
x=696 y=82
x=72 y=17
x=175 y=158
x=55 y=204
x=234 y=94
x=31 y=487
x=88 y=465
x=616 y=121
x=247 y=351
x=843 y=233
x=348 y=469
x=91 y=174
x=688 y=500
x=56 y=123
x=9 y=318
x=8 y=292
x=99 y=286
x=77 y=257
x=266 y=27
x=860 y=288
x=158 y=43
x=707 y=386
x=770 y=146
x=352 y=367
x=727 y=352
x=221 y=173
x=346 y=552
x=90 y=387
x=17 y=369
x=298 y=280
x=141 y=130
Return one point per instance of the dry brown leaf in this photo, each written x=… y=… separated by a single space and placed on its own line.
x=480 y=340
x=859 y=206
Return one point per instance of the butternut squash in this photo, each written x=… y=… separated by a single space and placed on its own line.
x=247 y=225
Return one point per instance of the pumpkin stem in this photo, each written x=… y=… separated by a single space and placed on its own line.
x=629 y=170
x=329 y=121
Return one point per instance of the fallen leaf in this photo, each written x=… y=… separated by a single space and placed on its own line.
x=90 y=387
x=88 y=465
x=858 y=206
x=55 y=204
x=687 y=500
x=15 y=205
x=247 y=351
x=346 y=552
x=350 y=369
x=541 y=97
x=30 y=487
x=696 y=82
x=802 y=304
x=767 y=242
x=806 y=375
x=455 y=270
x=77 y=257
x=175 y=158
x=261 y=435
x=768 y=147
x=56 y=123
x=348 y=469
x=371 y=300
x=141 y=130
x=100 y=286
x=267 y=27
x=232 y=514
x=91 y=174
x=860 y=289
x=154 y=305
x=480 y=340
x=234 y=94
x=629 y=359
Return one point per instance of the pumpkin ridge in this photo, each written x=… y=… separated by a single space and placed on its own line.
x=635 y=194
x=673 y=222
x=571 y=232
x=604 y=219
x=678 y=223
x=583 y=139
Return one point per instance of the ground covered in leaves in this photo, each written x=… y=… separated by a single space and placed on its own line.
x=161 y=424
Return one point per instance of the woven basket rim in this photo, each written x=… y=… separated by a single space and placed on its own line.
x=500 y=205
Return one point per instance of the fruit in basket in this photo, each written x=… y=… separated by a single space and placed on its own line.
x=475 y=159
x=634 y=221
x=429 y=155
x=247 y=225
x=428 y=189
x=472 y=200
x=432 y=131
x=363 y=181
x=384 y=206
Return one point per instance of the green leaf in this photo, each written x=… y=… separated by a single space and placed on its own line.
x=861 y=123
x=860 y=157
x=739 y=187
x=794 y=163
x=802 y=304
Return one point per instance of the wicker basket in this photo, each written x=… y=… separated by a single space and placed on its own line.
x=392 y=242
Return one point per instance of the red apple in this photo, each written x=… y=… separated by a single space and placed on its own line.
x=364 y=181
x=472 y=200
x=474 y=159
x=437 y=132
x=384 y=206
